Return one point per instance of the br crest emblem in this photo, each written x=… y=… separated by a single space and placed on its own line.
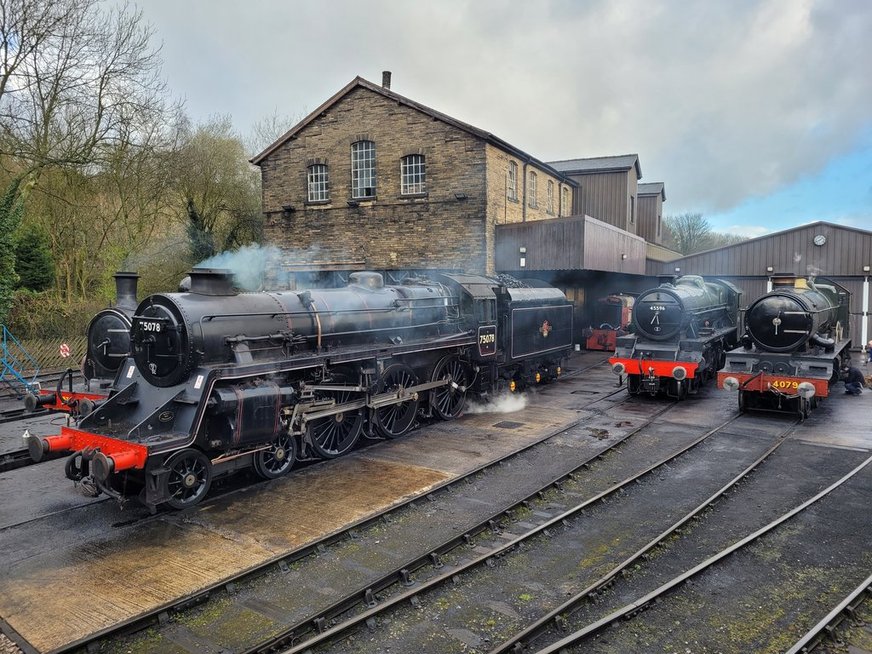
x=545 y=329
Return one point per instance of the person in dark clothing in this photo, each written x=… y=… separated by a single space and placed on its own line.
x=853 y=380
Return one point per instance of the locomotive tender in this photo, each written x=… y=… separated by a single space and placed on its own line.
x=681 y=330
x=796 y=342
x=219 y=380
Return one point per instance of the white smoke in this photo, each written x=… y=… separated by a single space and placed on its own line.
x=505 y=403
x=249 y=264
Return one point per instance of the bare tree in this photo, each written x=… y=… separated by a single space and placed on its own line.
x=83 y=117
x=76 y=80
x=219 y=190
x=268 y=129
x=690 y=232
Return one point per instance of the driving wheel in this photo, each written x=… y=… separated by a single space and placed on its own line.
x=394 y=420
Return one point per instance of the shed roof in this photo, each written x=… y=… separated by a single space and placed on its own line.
x=653 y=188
x=599 y=164
x=359 y=82
x=845 y=252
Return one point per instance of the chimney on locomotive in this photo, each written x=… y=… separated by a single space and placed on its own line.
x=212 y=281
x=125 y=290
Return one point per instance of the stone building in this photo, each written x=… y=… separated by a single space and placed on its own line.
x=372 y=180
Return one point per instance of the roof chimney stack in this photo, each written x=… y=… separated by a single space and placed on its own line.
x=386 y=79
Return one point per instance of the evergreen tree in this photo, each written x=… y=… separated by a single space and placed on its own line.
x=33 y=261
x=11 y=210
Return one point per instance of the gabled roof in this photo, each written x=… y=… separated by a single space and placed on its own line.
x=652 y=188
x=599 y=164
x=359 y=82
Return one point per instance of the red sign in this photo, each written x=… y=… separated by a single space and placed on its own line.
x=545 y=329
x=64 y=350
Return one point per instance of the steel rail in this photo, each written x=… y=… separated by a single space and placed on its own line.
x=161 y=612
x=333 y=632
x=543 y=624
x=402 y=572
x=643 y=601
x=826 y=626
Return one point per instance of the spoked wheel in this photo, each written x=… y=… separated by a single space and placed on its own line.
x=189 y=478
x=278 y=459
x=447 y=401
x=394 y=420
x=334 y=435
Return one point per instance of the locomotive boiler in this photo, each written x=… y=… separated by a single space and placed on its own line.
x=795 y=343
x=681 y=330
x=218 y=380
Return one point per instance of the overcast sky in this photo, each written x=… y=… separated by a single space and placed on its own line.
x=756 y=113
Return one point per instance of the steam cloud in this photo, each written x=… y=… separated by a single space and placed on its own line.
x=249 y=264
x=505 y=403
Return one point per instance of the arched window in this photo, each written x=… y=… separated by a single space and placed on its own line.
x=363 y=169
x=550 y=196
x=564 y=202
x=318 y=183
x=413 y=174
x=512 y=184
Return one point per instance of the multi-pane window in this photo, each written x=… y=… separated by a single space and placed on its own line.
x=531 y=191
x=512 y=184
x=550 y=196
x=632 y=209
x=412 y=174
x=317 y=178
x=564 y=202
x=363 y=169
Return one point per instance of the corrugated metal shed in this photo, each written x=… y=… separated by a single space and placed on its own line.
x=824 y=249
x=574 y=243
x=844 y=252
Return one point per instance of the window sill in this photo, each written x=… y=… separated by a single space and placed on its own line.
x=316 y=203
x=413 y=196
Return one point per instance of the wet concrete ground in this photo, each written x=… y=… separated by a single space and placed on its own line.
x=75 y=547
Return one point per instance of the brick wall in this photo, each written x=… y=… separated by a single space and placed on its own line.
x=391 y=231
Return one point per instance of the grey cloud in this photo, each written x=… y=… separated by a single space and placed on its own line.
x=722 y=100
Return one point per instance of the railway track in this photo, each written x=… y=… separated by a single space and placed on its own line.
x=318 y=631
x=826 y=628
x=629 y=611
x=316 y=550
x=506 y=545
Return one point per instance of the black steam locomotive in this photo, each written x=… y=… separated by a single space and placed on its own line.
x=108 y=346
x=681 y=330
x=795 y=343
x=109 y=331
x=219 y=380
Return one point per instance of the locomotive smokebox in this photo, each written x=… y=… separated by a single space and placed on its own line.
x=212 y=281
x=125 y=290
